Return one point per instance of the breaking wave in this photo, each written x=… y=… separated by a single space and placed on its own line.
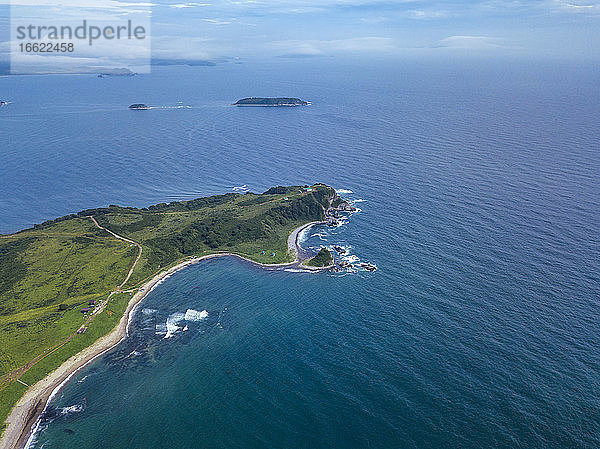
x=194 y=315
x=71 y=409
x=172 y=323
x=351 y=258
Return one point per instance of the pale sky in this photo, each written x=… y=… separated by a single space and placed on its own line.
x=207 y=29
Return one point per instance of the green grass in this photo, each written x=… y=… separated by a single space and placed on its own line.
x=48 y=273
x=101 y=325
x=68 y=263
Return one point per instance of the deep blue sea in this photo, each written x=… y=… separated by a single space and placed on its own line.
x=478 y=184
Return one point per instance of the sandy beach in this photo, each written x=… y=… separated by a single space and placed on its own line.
x=23 y=420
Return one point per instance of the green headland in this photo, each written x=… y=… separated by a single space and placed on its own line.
x=322 y=259
x=67 y=282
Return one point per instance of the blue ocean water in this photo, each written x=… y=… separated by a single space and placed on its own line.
x=481 y=208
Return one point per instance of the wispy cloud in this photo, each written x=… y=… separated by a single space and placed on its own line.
x=188 y=5
x=96 y=4
x=577 y=7
x=469 y=42
x=219 y=21
x=330 y=47
x=425 y=14
x=374 y=20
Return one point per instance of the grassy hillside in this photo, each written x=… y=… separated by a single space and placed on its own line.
x=50 y=272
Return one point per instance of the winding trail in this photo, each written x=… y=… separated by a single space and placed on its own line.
x=137 y=259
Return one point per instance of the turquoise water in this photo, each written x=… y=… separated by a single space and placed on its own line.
x=480 y=207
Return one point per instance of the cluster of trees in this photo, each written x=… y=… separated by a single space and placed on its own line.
x=225 y=230
x=280 y=190
x=145 y=220
x=199 y=203
x=87 y=212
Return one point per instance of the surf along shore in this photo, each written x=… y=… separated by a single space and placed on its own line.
x=24 y=419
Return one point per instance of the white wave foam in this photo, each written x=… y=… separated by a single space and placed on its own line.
x=71 y=409
x=342 y=191
x=303 y=235
x=243 y=188
x=360 y=200
x=149 y=311
x=179 y=106
x=351 y=258
x=194 y=315
x=172 y=323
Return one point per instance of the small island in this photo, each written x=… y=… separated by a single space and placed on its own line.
x=277 y=101
x=139 y=106
x=323 y=259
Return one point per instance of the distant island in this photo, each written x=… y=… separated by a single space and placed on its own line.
x=117 y=72
x=277 y=101
x=69 y=285
x=139 y=106
x=188 y=62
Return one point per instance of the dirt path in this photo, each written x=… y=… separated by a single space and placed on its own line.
x=125 y=240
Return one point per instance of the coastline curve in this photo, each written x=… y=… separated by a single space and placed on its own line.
x=24 y=419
